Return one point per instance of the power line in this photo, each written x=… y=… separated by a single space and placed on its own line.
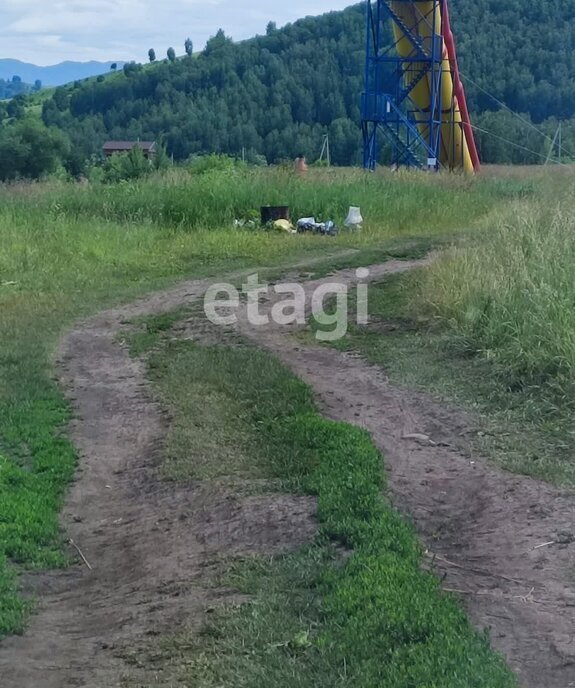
x=520 y=117
x=515 y=145
x=500 y=102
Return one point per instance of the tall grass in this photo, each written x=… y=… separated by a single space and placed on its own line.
x=510 y=295
x=391 y=204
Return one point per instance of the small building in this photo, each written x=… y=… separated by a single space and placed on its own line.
x=112 y=147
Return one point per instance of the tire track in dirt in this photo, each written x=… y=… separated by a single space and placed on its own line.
x=480 y=524
x=153 y=545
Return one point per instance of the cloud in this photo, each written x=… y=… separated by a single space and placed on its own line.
x=46 y=33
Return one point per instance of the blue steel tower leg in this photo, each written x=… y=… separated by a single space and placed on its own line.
x=392 y=75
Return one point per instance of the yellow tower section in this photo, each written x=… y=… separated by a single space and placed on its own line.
x=423 y=20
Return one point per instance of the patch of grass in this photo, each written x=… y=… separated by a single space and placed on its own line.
x=413 y=248
x=209 y=434
x=403 y=204
x=145 y=332
x=372 y=618
x=13 y=610
x=525 y=429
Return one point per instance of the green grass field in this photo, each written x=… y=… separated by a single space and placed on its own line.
x=68 y=250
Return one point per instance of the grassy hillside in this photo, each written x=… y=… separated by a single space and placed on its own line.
x=278 y=94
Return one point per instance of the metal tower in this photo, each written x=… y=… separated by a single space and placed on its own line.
x=413 y=93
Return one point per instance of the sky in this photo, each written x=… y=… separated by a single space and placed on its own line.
x=46 y=33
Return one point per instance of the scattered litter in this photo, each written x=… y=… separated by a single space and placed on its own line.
x=354 y=218
x=278 y=217
x=245 y=224
x=309 y=224
x=284 y=226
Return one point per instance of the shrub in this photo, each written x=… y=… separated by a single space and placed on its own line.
x=201 y=164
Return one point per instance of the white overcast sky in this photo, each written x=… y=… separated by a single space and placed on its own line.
x=49 y=31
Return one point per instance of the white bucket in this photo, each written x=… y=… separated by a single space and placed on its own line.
x=354 y=218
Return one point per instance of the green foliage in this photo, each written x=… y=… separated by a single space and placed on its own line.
x=124 y=167
x=201 y=164
x=279 y=94
x=131 y=68
x=29 y=149
x=521 y=52
x=127 y=166
x=266 y=95
x=15 y=108
x=9 y=88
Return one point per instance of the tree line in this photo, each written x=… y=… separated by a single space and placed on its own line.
x=278 y=94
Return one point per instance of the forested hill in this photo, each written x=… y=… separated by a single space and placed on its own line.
x=278 y=94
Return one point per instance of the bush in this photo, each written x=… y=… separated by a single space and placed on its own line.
x=201 y=164
x=30 y=150
x=129 y=166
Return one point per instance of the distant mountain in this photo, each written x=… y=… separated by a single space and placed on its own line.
x=55 y=75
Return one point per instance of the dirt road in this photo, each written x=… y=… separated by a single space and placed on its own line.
x=152 y=546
